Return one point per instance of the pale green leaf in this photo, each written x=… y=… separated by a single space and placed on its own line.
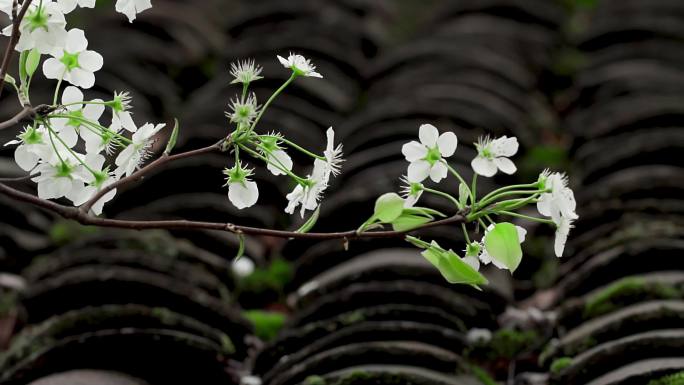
x=407 y=222
x=453 y=268
x=503 y=245
x=32 y=61
x=309 y=224
x=241 y=248
x=463 y=194
x=388 y=207
x=173 y=138
x=423 y=211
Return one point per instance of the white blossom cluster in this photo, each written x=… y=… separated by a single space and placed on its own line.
x=271 y=148
x=65 y=151
x=427 y=159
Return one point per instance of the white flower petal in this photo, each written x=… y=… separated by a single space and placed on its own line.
x=281 y=160
x=90 y=61
x=414 y=151
x=447 y=143
x=81 y=78
x=53 y=68
x=243 y=195
x=505 y=165
x=24 y=158
x=428 y=135
x=71 y=95
x=483 y=166
x=418 y=171
x=438 y=172
x=504 y=146
x=76 y=41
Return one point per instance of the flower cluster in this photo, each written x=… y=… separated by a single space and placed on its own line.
x=64 y=150
x=245 y=112
x=501 y=241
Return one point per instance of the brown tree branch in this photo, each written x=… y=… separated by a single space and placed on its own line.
x=157 y=163
x=87 y=219
x=14 y=39
x=26 y=112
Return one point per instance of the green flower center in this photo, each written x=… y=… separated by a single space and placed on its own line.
x=433 y=156
x=75 y=118
x=37 y=19
x=415 y=188
x=70 y=60
x=269 y=144
x=64 y=170
x=473 y=250
x=487 y=153
x=100 y=178
x=32 y=136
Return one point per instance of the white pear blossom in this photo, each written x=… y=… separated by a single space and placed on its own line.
x=299 y=65
x=310 y=193
x=243 y=111
x=492 y=155
x=332 y=153
x=72 y=99
x=74 y=63
x=137 y=152
x=61 y=179
x=411 y=192
x=242 y=192
x=33 y=146
x=562 y=230
x=121 y=116
x=560 y=201
x=69 y=5
x=94 y=184
x=131 y=8
x=278 y=160
x=426 y=157
x=245 y=71
x=42 y=28
x=484 y=256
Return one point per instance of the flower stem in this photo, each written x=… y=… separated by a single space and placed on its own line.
x=294 y=145
x=460 y=178
x=270 y=100
x=283 y=169
x=52 y=132
x=534 y=219
x=465 y=232
x=511 y=187
x=444 y=195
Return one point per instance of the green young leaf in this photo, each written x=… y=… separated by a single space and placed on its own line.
x=23 y=77
x=423 y=211
x=310 y=222
x=241 y=248
x=453 y=268
x=173 y=138
x=388 y=207
x=463 y=194
x=408 y=221
x=502 y=243
x=32 y=61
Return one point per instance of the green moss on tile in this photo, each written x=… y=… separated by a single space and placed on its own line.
x=560 y=363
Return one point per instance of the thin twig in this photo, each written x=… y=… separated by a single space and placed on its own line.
x=17 y=179
x=25 y=112
x=87 y=219
x=14 y=39
x=162 y=160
